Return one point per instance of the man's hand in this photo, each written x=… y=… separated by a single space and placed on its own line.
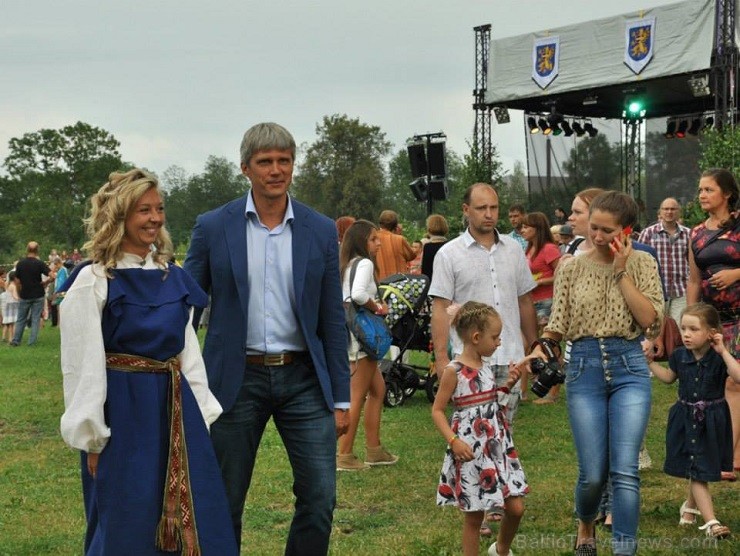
x=341 y=420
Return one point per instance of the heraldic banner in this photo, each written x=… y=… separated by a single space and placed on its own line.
x=545 y=60
x=639 y=43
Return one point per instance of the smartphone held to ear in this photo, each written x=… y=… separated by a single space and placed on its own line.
x=620 y=239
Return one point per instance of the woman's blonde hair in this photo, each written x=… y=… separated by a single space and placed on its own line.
x=106 y=225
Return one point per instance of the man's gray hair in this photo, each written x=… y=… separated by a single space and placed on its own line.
x=263 y=137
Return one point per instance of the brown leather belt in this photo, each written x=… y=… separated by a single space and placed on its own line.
x=275 y=359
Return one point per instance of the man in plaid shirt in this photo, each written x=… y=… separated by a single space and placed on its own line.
x=671 y=240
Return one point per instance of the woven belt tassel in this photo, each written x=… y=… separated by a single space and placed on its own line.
x=176 y=530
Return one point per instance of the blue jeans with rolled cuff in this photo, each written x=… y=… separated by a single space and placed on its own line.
x=609 y=394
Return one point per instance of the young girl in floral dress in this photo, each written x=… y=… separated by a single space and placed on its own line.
x=481 y=469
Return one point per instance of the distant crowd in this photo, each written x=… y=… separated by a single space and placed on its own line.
x=29 y=292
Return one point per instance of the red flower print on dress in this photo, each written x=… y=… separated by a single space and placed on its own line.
x=488 y=479
x=482 y=427
x=446 y=492
x=471 y=375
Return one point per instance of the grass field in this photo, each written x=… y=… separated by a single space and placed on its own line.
x=382 y=511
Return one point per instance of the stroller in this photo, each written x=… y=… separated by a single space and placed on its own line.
x=409 y=320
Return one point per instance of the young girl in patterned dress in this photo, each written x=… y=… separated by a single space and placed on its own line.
x=481 y=469
x=699 y=432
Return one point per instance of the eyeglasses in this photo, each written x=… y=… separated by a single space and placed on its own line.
x=669 y=208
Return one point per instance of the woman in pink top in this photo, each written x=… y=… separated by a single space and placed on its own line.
x=543 y=255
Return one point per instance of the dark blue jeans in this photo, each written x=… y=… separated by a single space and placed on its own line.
x=609 y=394
x=292 y=396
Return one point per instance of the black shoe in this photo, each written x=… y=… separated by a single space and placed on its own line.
x=586 y=548
x=13 y=344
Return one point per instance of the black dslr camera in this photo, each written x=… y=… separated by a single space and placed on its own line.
x=548 y=373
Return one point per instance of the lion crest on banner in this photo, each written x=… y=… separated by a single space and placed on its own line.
x=545 y=60
x=639 y=43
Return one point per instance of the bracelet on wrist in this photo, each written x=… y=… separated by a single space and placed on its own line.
x=619 y=275
x=452 y=439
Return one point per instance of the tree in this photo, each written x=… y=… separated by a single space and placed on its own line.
x=52 y=173
x=593 y=162
x=721 y=149
x=343 y=172
x=189 y=196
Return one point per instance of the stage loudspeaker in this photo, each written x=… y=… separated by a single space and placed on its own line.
x=436 y=157
x=438 y=188
x=418 y=160
x=420 y=189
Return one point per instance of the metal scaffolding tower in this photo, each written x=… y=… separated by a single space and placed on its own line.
x=725 y=65
x=482 y=129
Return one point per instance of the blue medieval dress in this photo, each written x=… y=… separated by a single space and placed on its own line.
x=157 y=476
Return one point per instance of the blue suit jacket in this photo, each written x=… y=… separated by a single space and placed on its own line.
x=217 y=260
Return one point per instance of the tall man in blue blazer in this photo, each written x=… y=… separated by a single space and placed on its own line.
x=276 y=344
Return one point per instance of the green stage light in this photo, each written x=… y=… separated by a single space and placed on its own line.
x=634 y=107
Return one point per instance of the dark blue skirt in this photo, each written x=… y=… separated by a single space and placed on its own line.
x=123 y=504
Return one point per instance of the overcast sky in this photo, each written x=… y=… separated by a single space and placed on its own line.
x=176 y=81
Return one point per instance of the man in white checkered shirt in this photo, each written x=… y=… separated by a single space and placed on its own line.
x=671 y=240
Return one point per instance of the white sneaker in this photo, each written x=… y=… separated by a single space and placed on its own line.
x=493 y=552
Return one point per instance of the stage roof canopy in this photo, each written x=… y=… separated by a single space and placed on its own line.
x=586 y=72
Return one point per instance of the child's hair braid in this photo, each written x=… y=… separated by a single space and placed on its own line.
x=473 y=316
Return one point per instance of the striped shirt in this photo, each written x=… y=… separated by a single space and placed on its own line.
x=673 y=253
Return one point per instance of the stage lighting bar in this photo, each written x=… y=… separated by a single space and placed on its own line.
x=690 y=124
x=555 y=125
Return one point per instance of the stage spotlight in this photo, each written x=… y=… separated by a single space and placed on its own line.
x=699 y=85
x=532 y=123
x=502 y=114
x=708 y=122
x=670 y=130
x=556 y=129
x=590 y=129
x=580 y=132
x=695 y=126
x=544 y=126
x=567 y=130
x=682 y=127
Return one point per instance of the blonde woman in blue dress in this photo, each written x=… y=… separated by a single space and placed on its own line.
x=136 y=396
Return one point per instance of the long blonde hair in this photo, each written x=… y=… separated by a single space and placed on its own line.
x=106 y=225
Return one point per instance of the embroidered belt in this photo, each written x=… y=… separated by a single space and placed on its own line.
x=481 y=398
x=176 y=530
x=697 y=408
